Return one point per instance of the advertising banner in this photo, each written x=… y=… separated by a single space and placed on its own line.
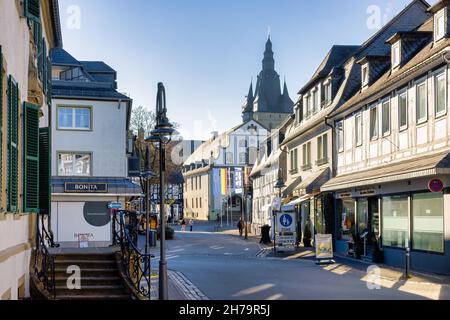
x=324 y=246
x=286 y=231
x=238 y=180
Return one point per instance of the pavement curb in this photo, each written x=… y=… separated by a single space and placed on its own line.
x=186 y=287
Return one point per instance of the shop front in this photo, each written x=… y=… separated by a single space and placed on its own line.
x=81 y=216
x=379 y=222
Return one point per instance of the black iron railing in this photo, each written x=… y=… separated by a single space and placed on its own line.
x=44 y=261
x=136 y=265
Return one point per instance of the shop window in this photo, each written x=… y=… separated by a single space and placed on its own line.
x=395 y=221
x=347 y=218
x=428 y=222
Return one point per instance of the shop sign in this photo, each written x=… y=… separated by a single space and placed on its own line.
x=345 y=195
x=286 y=229
x=76 y=187
x=324 y=246
x=436 y=185
x=367 y=192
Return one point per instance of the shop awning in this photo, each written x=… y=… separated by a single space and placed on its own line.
x=291 y=205
x=313 y=182
x=424 y=166
x=291 y=185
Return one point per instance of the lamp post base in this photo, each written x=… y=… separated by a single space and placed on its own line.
x=163 y=284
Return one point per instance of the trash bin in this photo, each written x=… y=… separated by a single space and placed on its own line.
x=152 y=238
x=265 y=234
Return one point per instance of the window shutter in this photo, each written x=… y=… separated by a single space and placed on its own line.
x=32 y=9
x=31 y=158
x=44 y=170
x=43 y=65
x=48 y=92
x=41 y=57
x=13 y=140
x=1 y=125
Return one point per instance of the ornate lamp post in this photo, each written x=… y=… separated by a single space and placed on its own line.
x=162 y=135
x=278 y=185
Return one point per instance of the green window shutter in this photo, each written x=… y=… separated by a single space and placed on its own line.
x=43 y=65
x=44 y=170
x=32 y=9
x=13 y=141
x=48 y=92
x=1 y=124
x=31 y=158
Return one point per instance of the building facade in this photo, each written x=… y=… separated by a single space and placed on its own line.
x=392 y=151
x=90 y=150
x=29 y=29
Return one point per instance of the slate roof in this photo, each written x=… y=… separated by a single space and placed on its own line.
x=420 y=166
x=97 y=66
x=337 y=55
x=86 y=90
x=61 y=57
x=398 y=78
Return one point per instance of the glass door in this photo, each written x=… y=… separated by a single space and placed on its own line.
x=362 y=216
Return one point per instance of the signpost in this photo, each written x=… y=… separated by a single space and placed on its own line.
x=324 y=249
x=286 y=229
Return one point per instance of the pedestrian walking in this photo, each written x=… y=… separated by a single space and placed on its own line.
x=240 y=226
x=183 y=225
x=191 y=224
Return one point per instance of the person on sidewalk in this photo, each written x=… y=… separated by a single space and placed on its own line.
x=240 y=226
x=183 y=225
x=191 y=225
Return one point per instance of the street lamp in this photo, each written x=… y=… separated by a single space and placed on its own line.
x=280 y=186
x=162 y=135
x=147 y=174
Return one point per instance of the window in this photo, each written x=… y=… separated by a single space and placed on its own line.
x=322 y=149
x=347 y=207
x=440 y=94
x=196 y=184
x=243 y=158
x=340 y=136
x=327 y=92
x=421 y=101
x=373 y=123
x=192 y=184
x=294 y=161
x=403 y=111
x=307 y=156
x=428 y=221
x=439 y=25
x=365 y=74
x=229 y=158
x=395 y=221
x=316 y=98
x=307 y=106
x=395 y=54
x=74 y=164
x=200 y=183
x=358 y=130
x=200 y=203
x=386 y=118
x=74 y=118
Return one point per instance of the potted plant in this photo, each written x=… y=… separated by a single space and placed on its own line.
x=307 y=235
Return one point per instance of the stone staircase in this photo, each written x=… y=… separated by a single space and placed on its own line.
x=100 y=277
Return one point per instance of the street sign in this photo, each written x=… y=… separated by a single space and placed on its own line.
x=114 y=205
x=286 y=229
x=436 y=185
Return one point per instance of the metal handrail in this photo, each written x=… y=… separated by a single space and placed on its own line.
x=44 y=261
x=136 y=264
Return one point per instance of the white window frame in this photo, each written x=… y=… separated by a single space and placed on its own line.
x=403 y=93
x=436 y=75
x=365 y=80
x=358 y=130
x=438 y=15
x=383 y=102
x=396 y=54
x=418 y=84
x=307 y=104
x=340 y=146
x=74 y=108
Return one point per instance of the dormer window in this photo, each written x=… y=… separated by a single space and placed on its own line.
x=395 y=54
x=327 y=91
x=365 y=74
x=439 y=25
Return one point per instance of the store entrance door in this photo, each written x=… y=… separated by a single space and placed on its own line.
x=368 y=221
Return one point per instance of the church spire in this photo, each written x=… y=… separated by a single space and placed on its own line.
x=268 y=61
x=285 y=89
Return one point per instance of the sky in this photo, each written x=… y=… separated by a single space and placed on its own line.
x=206 y=52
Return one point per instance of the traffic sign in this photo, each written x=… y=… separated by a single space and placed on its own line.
x=114 y=205
x=286 y=220
x=436 y=185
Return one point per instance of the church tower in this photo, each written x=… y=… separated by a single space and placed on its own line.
x=270 y=106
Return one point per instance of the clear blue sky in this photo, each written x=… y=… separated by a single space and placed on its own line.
x=206 y=51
